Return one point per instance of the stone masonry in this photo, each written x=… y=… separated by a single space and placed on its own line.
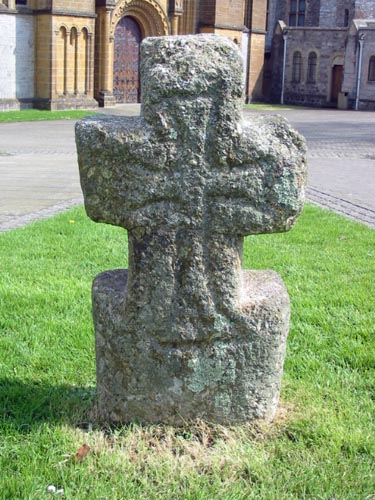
x=17 y=61
x=66 y=49
x=184 y=333
x=331 y=31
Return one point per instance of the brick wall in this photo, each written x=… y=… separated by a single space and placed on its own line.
x=221 y=12
x=83 y=6
x=256 y=62
x=258 y=18
x=230 y=12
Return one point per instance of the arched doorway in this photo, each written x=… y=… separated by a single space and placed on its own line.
x=336 y=77
x=337 y=74
x=126 y=82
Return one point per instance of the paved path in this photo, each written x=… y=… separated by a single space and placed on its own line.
x=39 y=173
x=341 y=160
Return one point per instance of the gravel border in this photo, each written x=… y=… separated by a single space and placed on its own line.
x=43 y=213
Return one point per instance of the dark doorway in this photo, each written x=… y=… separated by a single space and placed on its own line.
x=337 y=72
x=126 y=86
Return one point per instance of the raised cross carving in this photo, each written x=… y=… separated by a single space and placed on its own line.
x=189 y=179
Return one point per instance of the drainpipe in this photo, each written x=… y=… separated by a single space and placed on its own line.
x=361 y=39
x=285 y=37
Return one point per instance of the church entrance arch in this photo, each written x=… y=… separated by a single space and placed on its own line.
x=127 y=40
x=130 y=22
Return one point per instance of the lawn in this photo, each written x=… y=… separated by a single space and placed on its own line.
x=76 y=114
x=31 y=115
x=321 y=445
x=271 y=107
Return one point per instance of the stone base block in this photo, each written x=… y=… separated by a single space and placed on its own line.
x=13 y=105
x=66 y=102
x=106 y=99
x=222 y=380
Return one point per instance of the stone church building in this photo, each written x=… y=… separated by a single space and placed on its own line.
x=321 y=53
x=61 y=54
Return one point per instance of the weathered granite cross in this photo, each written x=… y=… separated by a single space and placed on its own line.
x=185 y=333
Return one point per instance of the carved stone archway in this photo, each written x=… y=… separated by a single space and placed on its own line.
x=126 y=77
x=149 y=14
x=152 y=20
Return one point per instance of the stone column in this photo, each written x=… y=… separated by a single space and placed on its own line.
x=257 y=40
x=105 y=58
x=89 y=69
x=175 y=12
x=174 y=24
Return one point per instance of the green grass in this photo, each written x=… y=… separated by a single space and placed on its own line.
x=322 y=444
x=30 y=115
x=272 y=107
x=76 y=114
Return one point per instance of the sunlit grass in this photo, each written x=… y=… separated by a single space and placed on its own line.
x=28 y=115
x=322 y=444
x=271 y=107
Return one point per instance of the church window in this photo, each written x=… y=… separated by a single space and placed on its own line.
x=72 y=62
x=311 y=67
x=297 y=10
x=371 y=69
x=346 y=18
x=61 y=54
x=297 y=67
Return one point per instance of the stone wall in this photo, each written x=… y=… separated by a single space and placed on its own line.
x=79 y=6
x=17 y=61
x=364 y=9
x=343 y=18
x=313 y=12
x=327 y=15
x=271 y=23
x=279 y=11
x=8 y=70
x=221 y=13
x=366 y=88
x=189 y=19
x=327 y=45
x=329 y=33
x=25 y=59
x=256 y=50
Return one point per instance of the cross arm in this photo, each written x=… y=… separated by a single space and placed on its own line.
x=125 y=172
x=262 y=191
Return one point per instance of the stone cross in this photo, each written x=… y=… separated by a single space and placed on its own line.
x=184 y=333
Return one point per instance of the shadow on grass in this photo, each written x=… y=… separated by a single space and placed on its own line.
x=25 y=405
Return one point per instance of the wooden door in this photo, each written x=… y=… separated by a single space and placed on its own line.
x=126 y=85
x=337 y=72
